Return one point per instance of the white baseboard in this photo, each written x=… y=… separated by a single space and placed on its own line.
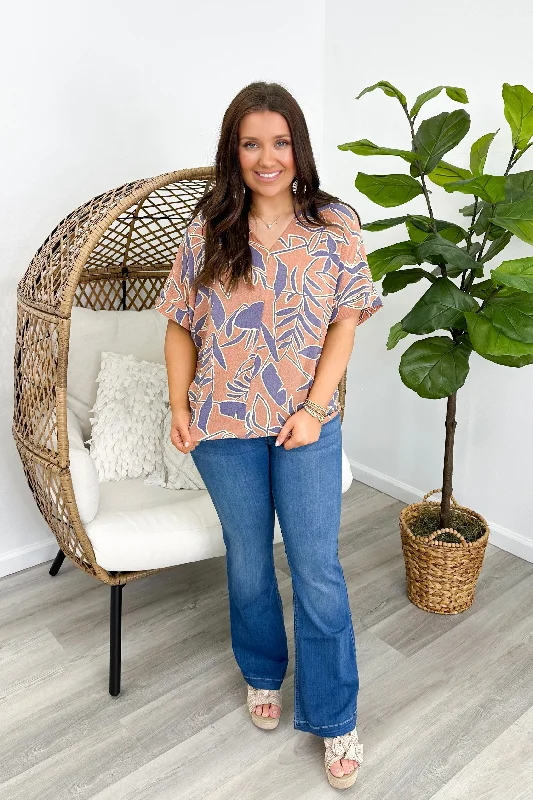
x=500 y=537
x=26 y=557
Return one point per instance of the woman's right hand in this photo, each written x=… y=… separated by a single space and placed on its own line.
x=179 y=430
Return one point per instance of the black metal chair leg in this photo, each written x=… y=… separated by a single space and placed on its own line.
x=58 y=560
x=115 y=640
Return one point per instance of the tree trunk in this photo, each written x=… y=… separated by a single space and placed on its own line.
x=451 y=424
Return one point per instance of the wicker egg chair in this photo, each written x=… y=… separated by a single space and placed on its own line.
x=112 y=253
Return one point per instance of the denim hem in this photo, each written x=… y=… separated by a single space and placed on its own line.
x=328 y=730
x=273 y=683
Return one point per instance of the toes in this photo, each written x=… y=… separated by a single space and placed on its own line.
x=267 y=710
x=344 y=766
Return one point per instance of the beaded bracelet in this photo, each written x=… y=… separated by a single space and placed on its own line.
x=315 y=410
x=314 y=413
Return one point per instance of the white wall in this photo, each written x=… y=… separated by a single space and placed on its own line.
x=394 y=438
x=103 y=93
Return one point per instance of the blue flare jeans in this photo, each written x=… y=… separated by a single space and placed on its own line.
x=249 y=480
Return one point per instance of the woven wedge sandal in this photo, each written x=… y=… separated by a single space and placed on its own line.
x=345 y=746
x=259 y=697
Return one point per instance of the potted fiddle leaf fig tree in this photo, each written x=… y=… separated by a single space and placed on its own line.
x=481 y=304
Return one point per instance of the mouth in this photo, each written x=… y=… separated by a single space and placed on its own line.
x=267 y=177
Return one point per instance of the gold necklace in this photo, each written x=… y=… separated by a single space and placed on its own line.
x=266 y=223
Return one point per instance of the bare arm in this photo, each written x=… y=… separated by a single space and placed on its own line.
x=181 y=358
x=336 y=352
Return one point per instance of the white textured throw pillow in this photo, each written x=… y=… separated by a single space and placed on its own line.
x=131 y=402
x=177 y=470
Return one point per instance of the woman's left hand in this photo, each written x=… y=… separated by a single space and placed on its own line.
x=303 y=429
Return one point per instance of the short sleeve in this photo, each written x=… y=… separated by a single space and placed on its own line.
x=355 y=292
x=174 y=298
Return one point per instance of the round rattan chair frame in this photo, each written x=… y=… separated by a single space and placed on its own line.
x=113 y=252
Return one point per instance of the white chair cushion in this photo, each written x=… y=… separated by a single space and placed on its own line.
x=82 y=471
x=131 y=403
x=140 y=333
x=146 y=527
x=82 y=467
x=347 y=476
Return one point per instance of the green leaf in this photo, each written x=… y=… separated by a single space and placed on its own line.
x=497 y=246
x=395 y=281
x=517 y=273
x=483 y=289
x=388 y=88
x=478 y=153
x=493 y=345
x=517 y=218
x=518 y=110
x=457 y=94
x=383 y=224
x=521 y=152
x=468 y=211
x=446 y=173
x=441 y=306
x=473 y=249
x=437 y=135
x=490 y=188
x=364 y=147
x=396 y=333
x=388 y=259
x=435 y=367
x=519 y=186
x=453 y=92
x=423 y=98
x=512 y=314
x=388 y=190
x=483 y=222
x=419 y=228
x=415 y=234
x=447 y=251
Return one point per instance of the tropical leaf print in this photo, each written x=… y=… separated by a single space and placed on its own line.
x=237 y=388
x=258 y=418
x=274 y=385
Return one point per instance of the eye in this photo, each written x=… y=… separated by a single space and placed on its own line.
x=280 y=141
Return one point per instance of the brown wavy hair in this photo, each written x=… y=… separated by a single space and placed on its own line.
x=226 y=206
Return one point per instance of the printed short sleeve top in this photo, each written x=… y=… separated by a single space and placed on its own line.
x=259 y=345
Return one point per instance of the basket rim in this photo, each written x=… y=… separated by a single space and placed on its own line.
x=480 y=542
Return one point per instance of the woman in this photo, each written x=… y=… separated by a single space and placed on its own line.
x=268 y=285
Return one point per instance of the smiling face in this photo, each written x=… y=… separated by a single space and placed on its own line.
x=266 y=154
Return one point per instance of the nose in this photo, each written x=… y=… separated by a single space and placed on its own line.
x=268 y=161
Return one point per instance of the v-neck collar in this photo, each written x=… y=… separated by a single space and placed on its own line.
x=284 y=231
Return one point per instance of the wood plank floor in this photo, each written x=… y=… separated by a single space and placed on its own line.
x=445 y=707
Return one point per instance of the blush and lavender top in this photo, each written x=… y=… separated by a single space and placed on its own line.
x=259 y=346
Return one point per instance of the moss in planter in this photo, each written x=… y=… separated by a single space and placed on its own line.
x=427 y=521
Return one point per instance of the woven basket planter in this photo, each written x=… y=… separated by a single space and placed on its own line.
x=441 y=576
